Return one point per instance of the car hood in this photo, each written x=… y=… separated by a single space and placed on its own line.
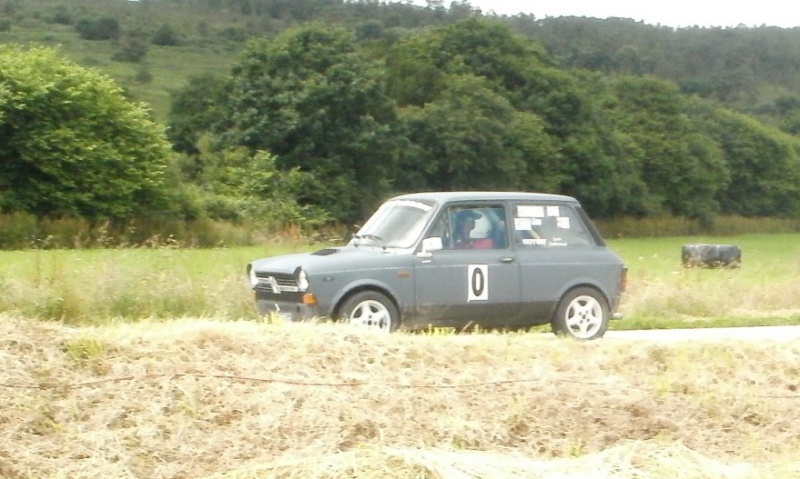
x=329 y=259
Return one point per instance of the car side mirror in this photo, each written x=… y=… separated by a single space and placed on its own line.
x=434 y=243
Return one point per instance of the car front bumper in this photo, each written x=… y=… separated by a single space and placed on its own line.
x=288 y=311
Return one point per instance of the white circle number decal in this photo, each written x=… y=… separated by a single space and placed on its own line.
x=478 y=282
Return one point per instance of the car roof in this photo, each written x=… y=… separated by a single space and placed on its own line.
x=448 y=196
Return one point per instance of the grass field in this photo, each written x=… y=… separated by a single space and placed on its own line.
x=764 y=290
x=97 y=286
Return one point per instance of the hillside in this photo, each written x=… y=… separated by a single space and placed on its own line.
x=200 y=398
x=152 y=79
x=748 y=69
x=207 y=34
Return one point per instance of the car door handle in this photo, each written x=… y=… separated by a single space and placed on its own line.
x=507 y=259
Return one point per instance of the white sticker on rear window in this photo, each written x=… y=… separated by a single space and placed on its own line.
x=535 y=241
x=530 y=211
x=522 y=224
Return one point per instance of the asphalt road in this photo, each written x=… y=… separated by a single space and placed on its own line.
x=760 y=333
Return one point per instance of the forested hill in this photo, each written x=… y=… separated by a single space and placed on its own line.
x=153 y=45
x=755 y=70
x=314 y=110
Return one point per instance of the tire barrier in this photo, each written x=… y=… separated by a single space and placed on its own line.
x=711 y=256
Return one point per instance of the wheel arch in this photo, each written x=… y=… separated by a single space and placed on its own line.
x=358 y=288
x=584 y=284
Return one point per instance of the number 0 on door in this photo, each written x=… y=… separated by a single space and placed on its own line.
x=478 y=282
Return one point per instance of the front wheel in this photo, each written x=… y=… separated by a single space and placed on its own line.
x=582 y=314
x=370 y=310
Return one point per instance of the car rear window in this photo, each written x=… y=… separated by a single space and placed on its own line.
x=541 y=225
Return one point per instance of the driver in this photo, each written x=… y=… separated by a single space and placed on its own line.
x=464 y=224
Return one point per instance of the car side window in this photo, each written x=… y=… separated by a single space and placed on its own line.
x=548 y=225
x=472 y=227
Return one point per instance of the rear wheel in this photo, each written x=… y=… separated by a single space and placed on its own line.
x=582 y=314
x=370 y=310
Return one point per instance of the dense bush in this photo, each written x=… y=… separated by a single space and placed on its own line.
x=165 y=36
x=74 y=146
x=132 y=49
x=106 y=28
x=61 y=15
x=143 y=75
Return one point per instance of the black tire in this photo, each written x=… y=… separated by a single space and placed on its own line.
x=370 y=310
x=582 y=313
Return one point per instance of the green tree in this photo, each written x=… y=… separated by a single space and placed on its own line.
x=73 y=145
x=471 y=137
x=418 y=68
x=166 y=36
x=106 y=28
x=194 y=110
x=603 y=169
x=765 y=167
x=682 y=165
x=61 y=15
x=132 y=48
x=311 y=99
x=238 y=184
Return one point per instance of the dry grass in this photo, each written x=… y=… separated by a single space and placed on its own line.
x=200 y=398
x=703 y=294
x=633 y=460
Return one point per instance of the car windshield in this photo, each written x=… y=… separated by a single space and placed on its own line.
x=396 y=224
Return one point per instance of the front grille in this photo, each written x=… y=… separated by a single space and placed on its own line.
x=276 y=283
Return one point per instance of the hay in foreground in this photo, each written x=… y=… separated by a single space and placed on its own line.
x=634 y=460
x=190 y=398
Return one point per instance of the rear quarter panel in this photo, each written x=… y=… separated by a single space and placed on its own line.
x=548 y=273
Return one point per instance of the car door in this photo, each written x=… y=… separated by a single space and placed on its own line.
x=472 y=286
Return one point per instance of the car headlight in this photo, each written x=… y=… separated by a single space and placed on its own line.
x=251 y=274
x=302 y=279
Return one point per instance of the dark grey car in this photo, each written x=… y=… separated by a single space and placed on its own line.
x=455 y=259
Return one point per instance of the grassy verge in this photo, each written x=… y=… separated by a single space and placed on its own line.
x=662 y=293
x=101 y=285
x=112 y=285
